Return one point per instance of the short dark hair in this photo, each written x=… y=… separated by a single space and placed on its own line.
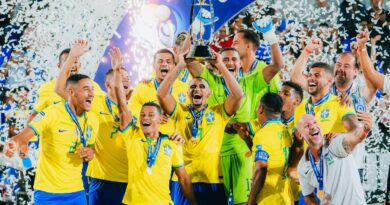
x=74 y=79
x=251 y=36
x=163 y=50
x=65 y=51
x=297 y=88
x=272 y=103
x=153 y=104
x=228 y=49
x=110 y=72
x=200 y=78
x=323 y=66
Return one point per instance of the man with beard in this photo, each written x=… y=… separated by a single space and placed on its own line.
x=67 y=134
x=328 y=166
x=236 y=161
x=149 y=177
x=202 y=127
x=345 y=86
x=163 y=63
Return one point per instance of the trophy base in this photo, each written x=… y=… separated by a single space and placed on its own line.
x=200 y=53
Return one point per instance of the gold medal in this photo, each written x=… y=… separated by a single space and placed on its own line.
x=194 y=141
x=320 y=194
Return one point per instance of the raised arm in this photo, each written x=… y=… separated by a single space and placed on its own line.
x=359 y=134
x=265 y=26
x=374 y=79
x=124 y=113
x=78 y=49
x=195 y=68
x=297 y=72
x=165 y=98
x=258 y=180
x=233 y=100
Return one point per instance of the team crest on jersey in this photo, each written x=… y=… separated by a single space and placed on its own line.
x=329 y=158
x=210 y=117
x=167 y=150
x=39 y=116
x=182 y=97
x=325 y=114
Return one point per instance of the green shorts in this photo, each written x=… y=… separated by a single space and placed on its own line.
x=237 y=175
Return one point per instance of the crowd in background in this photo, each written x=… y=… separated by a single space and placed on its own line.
x=335 y=23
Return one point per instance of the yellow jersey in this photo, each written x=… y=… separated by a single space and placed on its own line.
x=144 y=93
x=270 y=144
x=327 y=111
x=150 y=187
x=59 y=166
x=110 y=149
x=201 y=154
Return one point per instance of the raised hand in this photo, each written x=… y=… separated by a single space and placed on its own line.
x=79 y=48
x=86 y=153
x=366 y=119
x=217 y=59
x=315 y=45
x=116 y=58
x=264 y=24
x=362 y=38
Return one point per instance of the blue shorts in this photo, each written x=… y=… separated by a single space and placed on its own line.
x=204 y=193
x=73 y=198
x=106 y=192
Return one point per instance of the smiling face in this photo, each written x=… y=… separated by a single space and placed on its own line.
x=81 y=94
x=149 y=120
x=198 y=92
x=163 y=63
x=231 y=59
x=75 y=67
x=310 y=130
x=345 y=70
x=318 y=81
x=241 y=45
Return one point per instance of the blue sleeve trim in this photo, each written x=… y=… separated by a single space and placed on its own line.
x=131 y=123
x=251 y=131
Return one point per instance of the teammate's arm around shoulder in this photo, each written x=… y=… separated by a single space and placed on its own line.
x=232 y=102
x=165 y=98
x=124 y=112
x=78 y=49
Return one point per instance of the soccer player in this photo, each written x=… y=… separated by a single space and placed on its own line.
x=235 y=155
x=156 y=155
x=202 y=127
x=163 y=63
x=345 y=85
x=270 y=149
x=328 y=166
x=67 y=134
x=292 y=95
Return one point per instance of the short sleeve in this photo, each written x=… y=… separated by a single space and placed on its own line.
x=42 y=121
x=260 y=148
x=386 y=85
x=336 y=146
x=304 y=179
x=40 y=105
x=177 y=113
x=177 y=156
x=345 y=111
x=225 y=116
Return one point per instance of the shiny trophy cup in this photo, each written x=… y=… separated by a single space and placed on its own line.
x=201 y=30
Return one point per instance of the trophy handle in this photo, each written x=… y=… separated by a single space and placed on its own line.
x=191 y=21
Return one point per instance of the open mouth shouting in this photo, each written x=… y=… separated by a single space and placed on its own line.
x=145 y=124
x=197 y=99
x=231 y=69
x=164 y=71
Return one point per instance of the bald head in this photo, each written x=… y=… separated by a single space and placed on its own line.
x=310 y=130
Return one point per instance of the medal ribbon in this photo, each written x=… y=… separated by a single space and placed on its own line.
x=241 y=73
x=319 y=174
x=74 y=119
x=156 y=85
x=310 y=110
x=152 y=154
x=197 y=118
